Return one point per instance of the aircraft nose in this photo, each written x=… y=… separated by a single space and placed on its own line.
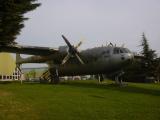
x=122 y=57
x=130 y=56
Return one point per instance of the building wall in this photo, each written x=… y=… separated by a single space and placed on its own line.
x=7 y=64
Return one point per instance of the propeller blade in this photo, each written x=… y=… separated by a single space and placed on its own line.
x=67 y=42
x=123 y=45
x=79 y=44
x=65 y=59
x=80 y=60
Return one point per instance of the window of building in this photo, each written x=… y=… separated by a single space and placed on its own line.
x=4 y=77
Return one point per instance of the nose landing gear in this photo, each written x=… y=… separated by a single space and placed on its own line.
x=119 y=78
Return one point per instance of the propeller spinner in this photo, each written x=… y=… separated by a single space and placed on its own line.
x=72 y=52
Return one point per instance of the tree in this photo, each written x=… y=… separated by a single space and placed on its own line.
x=134 y=72
x=145 y=46
x=32 y=74
x=144 y=66
x=157 y=69
x=12 y=18
x=148 y=53
x=149 y=57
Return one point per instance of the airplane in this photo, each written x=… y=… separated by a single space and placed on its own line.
x=68 y=61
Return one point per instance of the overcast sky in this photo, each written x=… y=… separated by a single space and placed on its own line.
x=94 y=21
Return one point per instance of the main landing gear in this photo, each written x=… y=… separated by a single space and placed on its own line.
x=100 y=78
x=54 y=76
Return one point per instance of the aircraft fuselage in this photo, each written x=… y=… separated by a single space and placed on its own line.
x=99 y=60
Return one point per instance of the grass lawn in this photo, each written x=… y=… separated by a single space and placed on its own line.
x=79 y=100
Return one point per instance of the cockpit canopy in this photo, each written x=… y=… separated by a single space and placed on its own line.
x=118 y=50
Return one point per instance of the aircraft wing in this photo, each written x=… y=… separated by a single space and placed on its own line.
x=31 y=50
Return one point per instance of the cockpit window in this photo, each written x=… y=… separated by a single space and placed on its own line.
x=121 y=50
x=116 y=51
x=125 y=50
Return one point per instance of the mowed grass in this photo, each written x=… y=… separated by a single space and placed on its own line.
x=79 y=100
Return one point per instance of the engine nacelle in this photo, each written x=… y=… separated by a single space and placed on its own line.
x=63 y=49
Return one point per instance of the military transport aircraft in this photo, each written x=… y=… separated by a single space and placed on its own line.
x=68 y=61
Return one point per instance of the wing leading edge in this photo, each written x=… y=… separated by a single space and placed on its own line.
x=31 y=50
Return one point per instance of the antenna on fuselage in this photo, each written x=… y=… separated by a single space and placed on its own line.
x=110 y=44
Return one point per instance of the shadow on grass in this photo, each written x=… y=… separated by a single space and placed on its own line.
x=114 y=87
x=128 y=89
x=5 y=82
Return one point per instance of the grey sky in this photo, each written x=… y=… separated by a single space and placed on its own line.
x=95 y=21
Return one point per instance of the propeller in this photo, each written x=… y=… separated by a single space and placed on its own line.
x=72 y=52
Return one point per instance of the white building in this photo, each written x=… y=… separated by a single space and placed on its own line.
x=15 y=76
